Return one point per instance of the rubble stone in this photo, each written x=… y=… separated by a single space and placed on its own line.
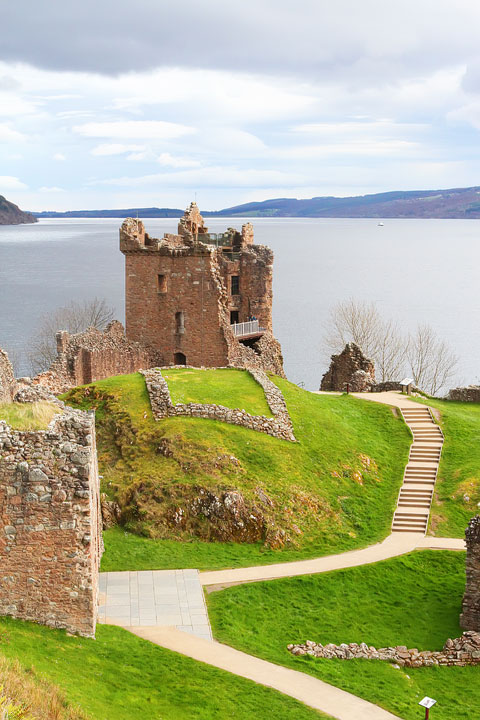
x=350 y=370
x=280 y=426
x=470 y=617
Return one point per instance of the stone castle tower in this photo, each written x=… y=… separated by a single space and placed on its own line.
x=200 y=298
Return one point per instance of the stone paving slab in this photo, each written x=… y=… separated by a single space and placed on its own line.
x=154 y=598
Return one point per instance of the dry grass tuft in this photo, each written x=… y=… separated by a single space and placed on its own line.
x=26 y=696
x=28 y=416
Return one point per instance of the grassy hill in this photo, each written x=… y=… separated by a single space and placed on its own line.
x=414 y=600
x=333 y=490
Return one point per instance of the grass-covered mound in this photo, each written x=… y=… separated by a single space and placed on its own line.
x=413 y=600
x=220 y=386
x=457 y=490
x=333 y=490
x=28 y=416
x=119 y=676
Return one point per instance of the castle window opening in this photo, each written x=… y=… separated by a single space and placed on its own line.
x=235 y=285
x=179 y=359
x=180 y=322
x=162 y=283
x=234 y=317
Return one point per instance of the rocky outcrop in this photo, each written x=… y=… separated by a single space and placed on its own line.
x=10 y=214
x=470 y=617
x=464 y=650
x=8 y=383
x=280 y=426
x=471 y=393
x=349 y=371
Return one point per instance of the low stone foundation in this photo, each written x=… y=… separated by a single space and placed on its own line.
x=464 y=650
x=280 y=426
x=50 y=531
x=471 y=393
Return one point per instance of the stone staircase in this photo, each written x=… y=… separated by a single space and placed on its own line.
x=415 y=498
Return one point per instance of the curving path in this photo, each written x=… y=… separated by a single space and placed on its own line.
x=305 y=688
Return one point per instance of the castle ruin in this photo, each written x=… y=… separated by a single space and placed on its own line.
x=199 y=298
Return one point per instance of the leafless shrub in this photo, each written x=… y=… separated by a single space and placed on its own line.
x=74 y=318
x=429 y=360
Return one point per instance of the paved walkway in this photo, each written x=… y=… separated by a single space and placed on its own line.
x=154 y=598
x=315 y=693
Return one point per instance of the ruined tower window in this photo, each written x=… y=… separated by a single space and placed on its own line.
x=162 y=283
x=180 y=322
x=235 y=285
x=179 y=359
x=233 y=316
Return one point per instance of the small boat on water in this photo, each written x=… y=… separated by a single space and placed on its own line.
x=380 y=224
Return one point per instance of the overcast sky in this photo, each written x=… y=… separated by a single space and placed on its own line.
x=146 y=102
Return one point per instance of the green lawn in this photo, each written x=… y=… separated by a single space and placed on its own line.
x=413 y=600
x=119 y=676
x=457 y=490
x=333 y=490
x=28 y=416
x=223 y=386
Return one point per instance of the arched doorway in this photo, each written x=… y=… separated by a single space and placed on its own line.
x=179 y=359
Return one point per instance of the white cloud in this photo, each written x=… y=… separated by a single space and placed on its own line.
x=176 y=162
x=216 y=177
x=157 y=129
x=116 y=149
x=7 y=182
x=52 y=189
x=59 y=156
x=8 y=135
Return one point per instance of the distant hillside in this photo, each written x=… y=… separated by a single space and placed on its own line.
x=452 y=203
x=10 y=214
x=152 y=212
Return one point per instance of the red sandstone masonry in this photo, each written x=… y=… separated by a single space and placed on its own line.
x=280 y=426
x=50 y=524
x=179 y=296
x=94 y=355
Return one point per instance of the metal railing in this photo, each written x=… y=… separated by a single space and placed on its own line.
x=218 y=239
x=252 y=327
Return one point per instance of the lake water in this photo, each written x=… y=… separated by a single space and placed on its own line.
x=415 y=270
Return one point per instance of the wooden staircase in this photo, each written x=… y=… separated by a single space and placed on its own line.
x=415 y=498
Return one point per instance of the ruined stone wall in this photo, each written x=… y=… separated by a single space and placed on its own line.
x=263 y=354
x=461 y=651
x=50 y=532
x=351 y=368
x=7 y=378
x=470 y=617
x=94 y=355
x=280 y=426
x=471 y=393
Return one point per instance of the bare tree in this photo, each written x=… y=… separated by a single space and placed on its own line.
x=381 y=340
x=74 y=318
x=431 y=361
